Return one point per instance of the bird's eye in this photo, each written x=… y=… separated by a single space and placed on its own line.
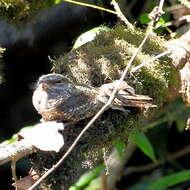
x=59 y=81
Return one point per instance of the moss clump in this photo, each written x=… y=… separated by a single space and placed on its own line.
x=104 y=59
x=16 y=11
x=153 y=46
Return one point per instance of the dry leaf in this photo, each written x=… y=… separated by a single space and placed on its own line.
x=26 y=182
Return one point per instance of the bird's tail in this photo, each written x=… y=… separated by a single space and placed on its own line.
x=133 y=100
x=125 y=97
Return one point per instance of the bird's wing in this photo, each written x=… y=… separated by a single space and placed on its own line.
x=81 y=104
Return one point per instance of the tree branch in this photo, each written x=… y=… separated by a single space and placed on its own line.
x=148 y=167
x=101 y=61
x=96 y=63
x=15 y=151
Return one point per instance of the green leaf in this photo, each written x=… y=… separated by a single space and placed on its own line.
x=170 y=180
x=181 y=124
x=87 y=177
x=14 y=137
x=160 y=22
x=144 y=19
x=94 y=184
x=120 y=147
x=57 y=1
x=144 y=144
x=88 y=36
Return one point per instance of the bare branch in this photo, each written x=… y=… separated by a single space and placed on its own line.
x=15 y=151
x=148 y=167
x=120 y=14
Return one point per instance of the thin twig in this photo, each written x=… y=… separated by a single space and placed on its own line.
x=13 y=170
x=90 y=5
x=150 y=60
x=15 y=151
x=148 y=167
x=120 y=14
x=161 y=4
x=107 y=105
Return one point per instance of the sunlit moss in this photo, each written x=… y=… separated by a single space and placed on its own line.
x=104 y=59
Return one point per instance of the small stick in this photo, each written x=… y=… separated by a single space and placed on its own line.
x=13 y=170
x=150 y=60
x=120 y=14
x=90 y=5
x=144 y=168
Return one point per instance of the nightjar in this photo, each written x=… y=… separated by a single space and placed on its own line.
x=57 y=98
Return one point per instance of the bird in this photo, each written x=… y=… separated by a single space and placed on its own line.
x=57 y=98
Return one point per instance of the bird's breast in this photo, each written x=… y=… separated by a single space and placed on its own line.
x=44 y=100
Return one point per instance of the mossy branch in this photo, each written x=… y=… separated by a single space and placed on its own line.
x=101 y=61
x=104 y=59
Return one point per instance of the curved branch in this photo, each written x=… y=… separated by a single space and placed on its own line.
x=15 y=151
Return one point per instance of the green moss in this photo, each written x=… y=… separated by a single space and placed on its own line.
x=17 y=11
x=104 y=59
x=153 y=46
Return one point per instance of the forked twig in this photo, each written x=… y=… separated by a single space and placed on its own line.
x=156 y=14
x=121 y=15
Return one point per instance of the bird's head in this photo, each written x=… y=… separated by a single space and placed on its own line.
x=52 y=79
x=49 y=89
